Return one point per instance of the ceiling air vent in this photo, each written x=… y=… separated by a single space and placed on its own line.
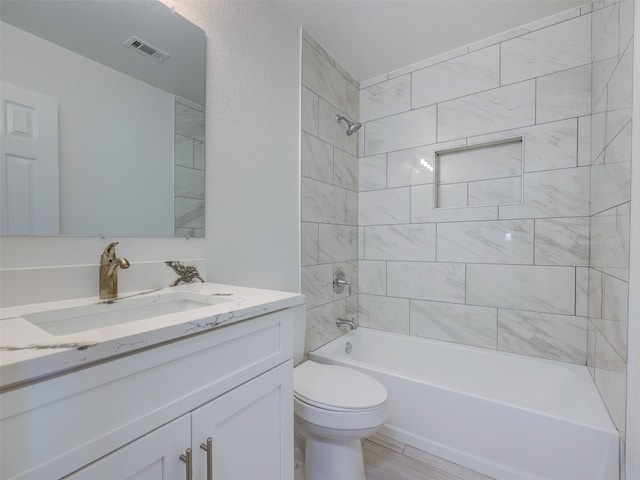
x=149 y=50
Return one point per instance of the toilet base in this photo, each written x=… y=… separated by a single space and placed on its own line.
x=335 y=460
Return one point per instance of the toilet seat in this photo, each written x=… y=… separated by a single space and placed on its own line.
x=336 y=388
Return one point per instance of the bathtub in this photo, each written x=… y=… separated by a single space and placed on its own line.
x=504 y=415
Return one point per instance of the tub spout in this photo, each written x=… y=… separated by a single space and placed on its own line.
x=343 y=322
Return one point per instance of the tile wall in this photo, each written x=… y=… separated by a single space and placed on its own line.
x=498 y=271
x=188 y=171
x=329 y=191
x=611 y=100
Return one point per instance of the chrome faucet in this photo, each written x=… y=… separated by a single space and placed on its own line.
x=109 y=265
x=343 y=322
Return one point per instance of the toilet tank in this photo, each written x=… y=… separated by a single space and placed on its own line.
x=299 y=332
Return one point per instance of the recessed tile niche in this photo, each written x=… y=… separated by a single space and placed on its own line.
x=479 y=175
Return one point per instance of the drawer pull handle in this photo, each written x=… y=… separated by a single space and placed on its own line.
x=208 y=447
x=186 y=458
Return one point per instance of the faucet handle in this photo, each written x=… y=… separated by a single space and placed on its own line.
x=339 y=282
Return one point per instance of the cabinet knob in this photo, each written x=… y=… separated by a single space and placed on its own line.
x=186 y=458
x=208 y=447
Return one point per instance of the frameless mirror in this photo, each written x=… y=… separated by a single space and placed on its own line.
x=102 y=119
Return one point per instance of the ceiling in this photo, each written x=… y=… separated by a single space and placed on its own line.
x=373 y=37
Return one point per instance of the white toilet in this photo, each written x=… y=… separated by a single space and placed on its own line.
x=335 y=407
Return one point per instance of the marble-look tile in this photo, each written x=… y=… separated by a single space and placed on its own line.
x=353 y=101
x=309 y=243
x=411 y=166
x=401 y=242
x=501 y=191
x=337 y=243
x=321 y=202
x=426 y=281
x=198 y=155
x=386 y=98
x=320 y=76
x=604 y=33
x=317 y=284
x=503 y=241
x=480 y=162
x=188 y=182
x=375 y=80
x=498 y=109
x=373 y=172
x=345 y=170
x=372 y=277
x=615 y=304
x=309 y=111
x=556 y=337
x=404 y=130
x=600 y=74
x=316 y=159
x=460 y=76
x=333 y=132
x=351 y=207
x=596 y=293
x=188 y=212
x=454 y=323
x=551 y=145
x=625 y=29
x=548 y=50
x=610 y=185
x=536 y=288
x=552 y=193
x=183 y=151
x=350 y=270
x=582 y=291
x=384 y=313
x=615 y=332
x=427 y=62
x=321 y=325
x=584 y=141
x=616 y=121
x=611 y=380
x=452 y=195
x=619 y=150
x=562 y=241
x=564 y=94
x=422 y=209
x=598 y=134
x=620 y=86
x=591 y=348
x=381 y=207
x=189 y=122
x=360 y=242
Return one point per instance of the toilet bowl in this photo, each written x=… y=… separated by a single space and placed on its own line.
x=335 y=408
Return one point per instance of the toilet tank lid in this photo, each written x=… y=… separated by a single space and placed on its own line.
x=337 y=387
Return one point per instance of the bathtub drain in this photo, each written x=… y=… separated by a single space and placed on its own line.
x=347 y=347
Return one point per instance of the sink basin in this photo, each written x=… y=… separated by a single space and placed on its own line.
x=64 y=321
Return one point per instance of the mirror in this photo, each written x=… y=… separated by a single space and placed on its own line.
x=103 y=119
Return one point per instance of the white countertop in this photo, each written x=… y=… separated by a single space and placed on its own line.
x=27 y=352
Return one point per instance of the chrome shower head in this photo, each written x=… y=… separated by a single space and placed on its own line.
x=353 y=127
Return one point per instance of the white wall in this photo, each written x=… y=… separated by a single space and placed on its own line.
x=252 y=174
x=115 y=132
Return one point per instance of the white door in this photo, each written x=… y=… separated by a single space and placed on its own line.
x=251 y=429
x=156 y=456
x=29 y=192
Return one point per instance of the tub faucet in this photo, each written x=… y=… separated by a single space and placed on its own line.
x=109 y=265
x=343 y=322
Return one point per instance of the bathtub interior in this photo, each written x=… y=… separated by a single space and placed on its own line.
x=505 y=415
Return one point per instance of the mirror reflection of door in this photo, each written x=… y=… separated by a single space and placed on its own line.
x=29 y=193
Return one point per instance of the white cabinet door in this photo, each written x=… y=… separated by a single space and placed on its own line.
x=251 y=428
x=156 y=456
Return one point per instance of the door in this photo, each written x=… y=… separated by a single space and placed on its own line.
x=156 y=456
x=251 y=429
x=29 y=191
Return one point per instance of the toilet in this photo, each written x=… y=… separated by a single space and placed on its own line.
x=335 y=408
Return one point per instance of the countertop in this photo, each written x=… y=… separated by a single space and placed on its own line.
x=28 y=352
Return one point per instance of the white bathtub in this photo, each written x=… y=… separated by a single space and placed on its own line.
x=505 y=415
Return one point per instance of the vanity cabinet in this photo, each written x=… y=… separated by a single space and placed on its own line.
x=134 y=416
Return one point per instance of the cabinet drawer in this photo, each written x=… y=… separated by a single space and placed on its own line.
x=54 y=427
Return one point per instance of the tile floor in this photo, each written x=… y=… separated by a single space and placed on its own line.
x=387 y=459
